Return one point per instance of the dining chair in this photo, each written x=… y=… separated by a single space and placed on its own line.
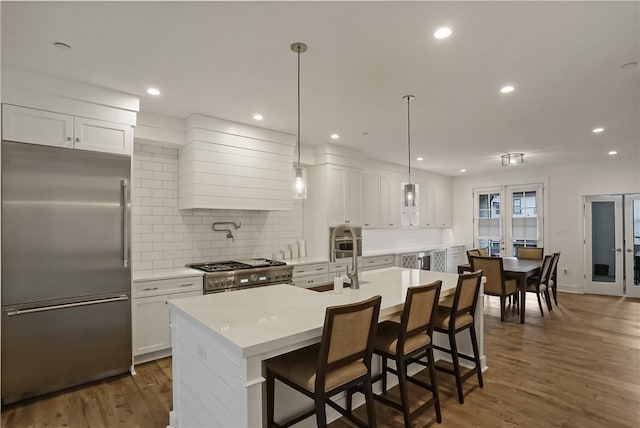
x=453 y=319
x=496 y=284
x=407 y=342
x=553 y=279
x=530 y=253
x=340 y=362
x=540 y=283
x=474 y=252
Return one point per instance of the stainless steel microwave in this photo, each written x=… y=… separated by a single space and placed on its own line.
x=344 y=243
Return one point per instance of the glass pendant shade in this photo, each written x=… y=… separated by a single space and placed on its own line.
x=299 y=182
x=409 y=195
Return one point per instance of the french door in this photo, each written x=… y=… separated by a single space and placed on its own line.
x=632 y=244
x=508 y=217
x=612 y=245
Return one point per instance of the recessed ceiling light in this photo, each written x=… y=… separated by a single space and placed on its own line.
x=258 y=116
x=420 y=158
x=612 y=153
x=507 y=89
x=62 y=46
x=153 y=91
x=334 y=136
x=597 y=130
x=442 y=33
x=463 y=170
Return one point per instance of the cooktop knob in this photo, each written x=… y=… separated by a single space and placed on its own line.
x=253 y=277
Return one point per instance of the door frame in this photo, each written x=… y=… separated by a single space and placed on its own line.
x=631 y=290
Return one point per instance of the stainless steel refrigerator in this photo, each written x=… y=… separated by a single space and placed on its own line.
x=66 y=280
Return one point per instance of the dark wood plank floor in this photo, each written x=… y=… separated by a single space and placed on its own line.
x=577 y=367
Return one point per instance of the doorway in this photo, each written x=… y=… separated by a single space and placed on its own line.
x=612 y=245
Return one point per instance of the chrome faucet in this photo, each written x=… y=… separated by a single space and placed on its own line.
x=353 y=276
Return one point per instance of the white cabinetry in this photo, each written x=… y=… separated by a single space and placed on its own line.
x=370 y=201
x=310 y=274
x=390 y=201
x=34 y=126
x=378 y=262
x=150 y=314
x=345 y=193
x=435 y=206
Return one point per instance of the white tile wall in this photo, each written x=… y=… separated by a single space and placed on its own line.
x=165 y=237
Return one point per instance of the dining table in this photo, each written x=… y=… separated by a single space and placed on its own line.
x=519 y=269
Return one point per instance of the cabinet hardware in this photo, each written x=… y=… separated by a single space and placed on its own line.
x=319 y=268
x=77 y=139
x=185 y=285
x=150 y=288
x=69 y=138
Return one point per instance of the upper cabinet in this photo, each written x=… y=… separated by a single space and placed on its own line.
x=390 y=201
x=34 y=126
x=435 y=205
x=370 y=200
x=345 y=195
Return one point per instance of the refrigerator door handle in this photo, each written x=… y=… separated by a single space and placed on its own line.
x=125 y=222
x=67 y=305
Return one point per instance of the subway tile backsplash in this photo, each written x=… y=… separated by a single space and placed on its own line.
x=165 y=237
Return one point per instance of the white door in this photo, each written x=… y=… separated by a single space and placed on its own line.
x=488 y=217
x=632 y=241
x=604 y=259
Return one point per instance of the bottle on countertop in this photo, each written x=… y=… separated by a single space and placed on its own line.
x=338 y=283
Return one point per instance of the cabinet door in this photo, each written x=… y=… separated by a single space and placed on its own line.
x=428 y=206
x=353 y=197
x=28 y=125
x=390 y=202
x=150 y=318
x=335 y=206
x=100 y=136
x=443 y=206
x=371 y=201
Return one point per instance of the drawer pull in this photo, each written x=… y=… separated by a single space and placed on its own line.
x=320 y=268
x=186 y=285
x=150 y=288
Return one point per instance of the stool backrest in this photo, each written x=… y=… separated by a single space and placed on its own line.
x=473 y=253
x=348 y=335
x=466 y=297
x=530 y=253
x=419 y=311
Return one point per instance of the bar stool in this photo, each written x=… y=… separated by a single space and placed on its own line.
x=451 y=320
x=341 y=361
x=405 y=343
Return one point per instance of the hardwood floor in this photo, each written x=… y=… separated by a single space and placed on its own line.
x=577 y=367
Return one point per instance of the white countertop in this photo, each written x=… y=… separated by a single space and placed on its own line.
x=149 y=275
x=407 y=250
x=306 y=260
x=261 y=319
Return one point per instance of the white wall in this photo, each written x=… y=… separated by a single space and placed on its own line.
x=567 y=184
x=165 y=237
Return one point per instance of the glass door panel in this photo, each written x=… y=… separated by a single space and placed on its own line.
x=488 y=216
x=632 y=241
x=603 y=244
x=524 y=225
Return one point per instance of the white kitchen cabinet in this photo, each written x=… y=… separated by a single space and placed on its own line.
x=34 y=126
x=435 y=206
x=390 y=202
x=150 y=314
x=310 y=274
x=345 y=193
x=370 y=201
x=378 y=262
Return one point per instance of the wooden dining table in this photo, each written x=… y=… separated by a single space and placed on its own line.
x=521 y=270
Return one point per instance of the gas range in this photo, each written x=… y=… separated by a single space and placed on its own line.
x=235 y=275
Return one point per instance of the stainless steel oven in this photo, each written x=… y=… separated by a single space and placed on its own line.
x=344 y=243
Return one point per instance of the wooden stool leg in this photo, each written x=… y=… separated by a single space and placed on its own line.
x=270 y=398
x=502 y=307
x=456 y=365
x=384 y=374
x=476 y=353
x=368 y=396
x=434 y=384
x=404 y=396
x=321 y=413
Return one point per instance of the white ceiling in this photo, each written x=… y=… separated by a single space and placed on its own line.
x=232 y=59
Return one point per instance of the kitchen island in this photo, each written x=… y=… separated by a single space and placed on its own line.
x=220 y=341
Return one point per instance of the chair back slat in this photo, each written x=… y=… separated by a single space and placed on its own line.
x=473 y=253
x=545 y=270
x=553 y=270
x=420 y=307
x=530 y=253
x=466 y=295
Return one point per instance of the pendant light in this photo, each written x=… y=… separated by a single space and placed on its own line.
x=409 y=189
x=299 y=173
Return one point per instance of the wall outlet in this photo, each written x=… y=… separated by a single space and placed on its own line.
x=565 y=271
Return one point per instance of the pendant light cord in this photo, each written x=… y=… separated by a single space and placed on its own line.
x=409 y=133
x=298 y=109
